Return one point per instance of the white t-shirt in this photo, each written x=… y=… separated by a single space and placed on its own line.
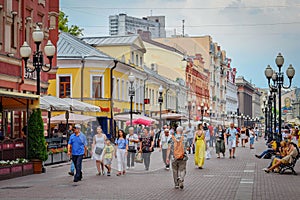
x=130 y=137
x=164 y=141
x=190 y=132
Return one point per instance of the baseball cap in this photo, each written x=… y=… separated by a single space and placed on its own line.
x=77 y=126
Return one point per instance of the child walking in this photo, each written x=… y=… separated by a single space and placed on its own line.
x=108 y=153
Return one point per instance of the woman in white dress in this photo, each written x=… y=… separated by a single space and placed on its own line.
x=97 y=149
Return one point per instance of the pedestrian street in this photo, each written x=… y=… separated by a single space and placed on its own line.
x=220 y=178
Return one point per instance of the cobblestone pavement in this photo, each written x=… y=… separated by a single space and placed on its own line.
x=240 y=178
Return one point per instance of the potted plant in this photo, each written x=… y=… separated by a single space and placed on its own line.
x=37 y=150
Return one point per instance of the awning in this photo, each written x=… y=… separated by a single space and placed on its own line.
x=52 y=103
x=73 y=119
x=126 y=117
x=18 y=101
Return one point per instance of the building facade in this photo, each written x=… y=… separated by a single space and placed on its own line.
x=123 y=24
x=245 y=92
x=18 y=19
x=231 y=92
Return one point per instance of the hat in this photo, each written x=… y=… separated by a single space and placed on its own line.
x=77 y=126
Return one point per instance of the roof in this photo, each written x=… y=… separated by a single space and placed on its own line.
x=71 y=47
x=111 y=40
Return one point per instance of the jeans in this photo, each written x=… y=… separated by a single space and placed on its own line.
x=146 y=157
x=164 y=156
x=179 y=170
x=211 y=141
x=77 y=160
x=266 y=152
x=190 y=142
x=130 y=159
x=72 y=167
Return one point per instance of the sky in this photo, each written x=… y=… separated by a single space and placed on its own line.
x=252 y=32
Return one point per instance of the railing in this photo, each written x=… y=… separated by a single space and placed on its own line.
x=12 y=149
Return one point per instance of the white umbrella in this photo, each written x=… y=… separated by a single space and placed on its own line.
x=82 y=106
x=73 y=119
x=172 y=116
x=53 y=103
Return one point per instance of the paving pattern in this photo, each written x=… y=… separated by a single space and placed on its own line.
x=224 y=178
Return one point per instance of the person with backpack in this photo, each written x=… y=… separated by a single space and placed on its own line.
x=177 y=148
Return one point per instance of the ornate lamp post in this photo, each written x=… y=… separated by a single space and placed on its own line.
x=278 y=83
x=203 y=110
x=131 y=79
x=38 y=57
x=160 y=101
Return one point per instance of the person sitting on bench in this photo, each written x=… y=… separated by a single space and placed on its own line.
x=272 y=146
x=292 y=153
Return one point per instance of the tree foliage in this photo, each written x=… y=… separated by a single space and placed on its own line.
x=63 y=25
x=36 y=140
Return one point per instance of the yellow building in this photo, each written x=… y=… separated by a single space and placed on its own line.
x=89 y=75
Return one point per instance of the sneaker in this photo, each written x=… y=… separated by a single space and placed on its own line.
x=233 y=156
x=180 y=183
x=108 y=173
x=132 y=167
x=264 y=169
x=200 y=167
x=127 y=168
x=257 y=156
x=98 y=174
x=176 y=186
x=71 y=173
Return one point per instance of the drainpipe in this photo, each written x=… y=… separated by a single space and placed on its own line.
x=111 y=100
x=144 y=109
x=22 y=41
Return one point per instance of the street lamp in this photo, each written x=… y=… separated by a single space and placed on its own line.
x=38 y=57
x=160 y=101
x=203 y=109
x=131 y=79
x=278 y=81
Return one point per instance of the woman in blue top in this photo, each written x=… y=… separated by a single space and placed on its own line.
x=121 y=144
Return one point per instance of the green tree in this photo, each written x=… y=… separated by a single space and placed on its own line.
x=63 y=25
x=36 y=141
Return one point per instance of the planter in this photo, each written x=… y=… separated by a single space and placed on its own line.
x=16 y=170
x=56 y=157
x=37 y=166
x=5 y=172
x=65 y=157
x=27 y=169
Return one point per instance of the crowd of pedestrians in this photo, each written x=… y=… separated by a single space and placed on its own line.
x=174 y=143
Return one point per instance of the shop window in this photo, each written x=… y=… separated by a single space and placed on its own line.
x=97 y=87
x=64 y=86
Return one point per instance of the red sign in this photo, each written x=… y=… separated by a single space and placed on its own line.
x=146 y=101
x=104 y=109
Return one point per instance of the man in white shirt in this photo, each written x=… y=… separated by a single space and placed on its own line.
x=190 y=132
x=132 y=147
x=164 y=142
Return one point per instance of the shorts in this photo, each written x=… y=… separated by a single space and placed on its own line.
x=231 y=144
x=251 y=140
x=107 y=161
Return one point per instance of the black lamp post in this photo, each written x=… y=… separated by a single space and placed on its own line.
x=210 y=112
x=203 y=110
x=38 y=57
x=264 y=109
x=278 y=81
x=131 y=94
x=160 y=101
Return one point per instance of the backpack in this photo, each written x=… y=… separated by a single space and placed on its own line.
x=178 y=148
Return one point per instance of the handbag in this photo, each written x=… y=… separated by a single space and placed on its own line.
x=138 y=158
x=131 y=149
x=98 y=151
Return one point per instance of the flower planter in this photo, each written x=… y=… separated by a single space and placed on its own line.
x=56 y=157
x=16 y=170
x=27 y=169
x=37 y=166
x=65 y=157
x=5 y=172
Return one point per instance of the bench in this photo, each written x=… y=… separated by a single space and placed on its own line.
x=290 y=166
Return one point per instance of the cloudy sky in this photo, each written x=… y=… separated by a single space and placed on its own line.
x=252 y=32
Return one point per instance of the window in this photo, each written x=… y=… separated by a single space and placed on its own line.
x=118 y=89
x=64 y=86
x=13 y=38
x=141 y=61
x=97 y=87
x=132 y=57
x=136 y=59
x=1 y=25
x=123 y=90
